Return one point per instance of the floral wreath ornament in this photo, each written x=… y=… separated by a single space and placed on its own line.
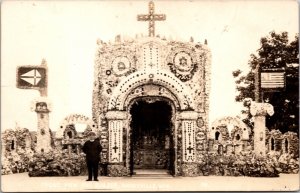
x=182 y=63
x=122 y=61
x=121 y=65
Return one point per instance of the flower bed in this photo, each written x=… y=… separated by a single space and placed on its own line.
x=15 y=162
x=245 y=164
x=57 y=163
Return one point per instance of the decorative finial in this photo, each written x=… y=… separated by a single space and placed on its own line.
x=151 y=17
x=205 y=41
x=99 y=41
x=191 y=39
x=44 y=62
x=118 y=38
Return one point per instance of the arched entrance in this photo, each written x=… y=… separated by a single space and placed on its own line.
x=152 y=135
x=125 y=110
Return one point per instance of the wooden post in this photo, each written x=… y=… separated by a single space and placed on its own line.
x=257 y=84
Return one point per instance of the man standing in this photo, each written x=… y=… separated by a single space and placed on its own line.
x=92 y=149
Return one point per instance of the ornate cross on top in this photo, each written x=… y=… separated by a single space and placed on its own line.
x=151 y=17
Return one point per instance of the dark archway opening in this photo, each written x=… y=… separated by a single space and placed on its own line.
x=272 y=144
x=152 y=145
x=286 y=146
x=217 y=135
x=238 y=137
x=12 y=145
x=69 y=133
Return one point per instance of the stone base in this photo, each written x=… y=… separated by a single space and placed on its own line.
x=117 y=171
x=190 y=169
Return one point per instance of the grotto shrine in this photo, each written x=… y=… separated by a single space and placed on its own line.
x=151 y=102
x=150 y=111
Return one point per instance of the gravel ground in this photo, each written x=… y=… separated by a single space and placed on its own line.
x=22 y=182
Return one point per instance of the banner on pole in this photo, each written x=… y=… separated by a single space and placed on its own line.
x=272 y=80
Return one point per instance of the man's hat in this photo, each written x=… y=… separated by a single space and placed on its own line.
x=92 y=133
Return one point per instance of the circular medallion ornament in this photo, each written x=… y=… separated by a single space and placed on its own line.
x=108 y=72
x=120 y=65
x=183 y=63
x=200 y=122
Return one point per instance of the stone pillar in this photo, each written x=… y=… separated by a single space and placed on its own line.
x=116 y=164
x=42 y=107
x=188 y=124
x=259 y=112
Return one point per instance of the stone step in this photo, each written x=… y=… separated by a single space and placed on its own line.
x=140 y=176
x=151 y=173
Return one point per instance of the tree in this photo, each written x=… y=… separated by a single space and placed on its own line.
x=275 y=52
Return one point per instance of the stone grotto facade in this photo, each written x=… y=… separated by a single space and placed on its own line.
x=135 y=80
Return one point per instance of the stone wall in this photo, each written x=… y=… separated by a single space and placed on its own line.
x=229 y=135
x=287 y=143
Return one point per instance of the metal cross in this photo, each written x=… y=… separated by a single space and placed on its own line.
x=151 y=17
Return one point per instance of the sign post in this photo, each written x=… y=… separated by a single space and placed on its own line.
x=36 y=77
x=266 y=80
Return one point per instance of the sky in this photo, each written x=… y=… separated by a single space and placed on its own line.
x=65 y=34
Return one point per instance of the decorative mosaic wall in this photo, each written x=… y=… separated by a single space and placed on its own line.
x=155 y=68
x=229 y=135
x=188 y=134
x=115 y=141
x=180 y=66
x=287 y=143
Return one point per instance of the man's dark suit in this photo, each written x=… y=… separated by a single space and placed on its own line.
x=92 y=151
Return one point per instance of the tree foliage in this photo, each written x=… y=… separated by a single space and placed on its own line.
x=276 y=51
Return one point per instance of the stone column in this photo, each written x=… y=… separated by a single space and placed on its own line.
x=188 y=128
x=116 y=164
x=259 y=112
x=42 y=107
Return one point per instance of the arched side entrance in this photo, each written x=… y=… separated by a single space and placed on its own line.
x=75 y=119
x=149 y=87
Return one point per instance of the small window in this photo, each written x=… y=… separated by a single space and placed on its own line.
x=272 y=144
x=286 y=145
x=238 y=137
x=217 y=135
x=70 y=134
x=12 y=147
